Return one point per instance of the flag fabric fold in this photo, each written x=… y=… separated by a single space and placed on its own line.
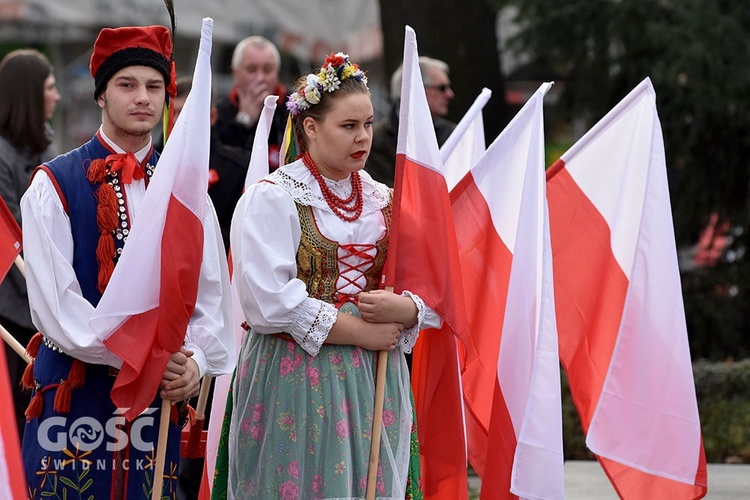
x=512 y=384
x=466 y=143
x=144 y=312
x=423 y=258
x=620 y=315
x=10 y=239
x=257 y=169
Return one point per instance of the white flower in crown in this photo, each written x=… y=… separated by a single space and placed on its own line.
x=312 y=89
x=330 y=78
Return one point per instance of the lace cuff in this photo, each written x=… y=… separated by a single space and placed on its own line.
x=410 y=335
x=311 y=337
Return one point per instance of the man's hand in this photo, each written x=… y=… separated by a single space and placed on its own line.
x=251 y=98
x=181 y=379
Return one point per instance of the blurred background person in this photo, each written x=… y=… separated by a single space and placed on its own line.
x=381 y=164
x=255 y=70
x=28 y=98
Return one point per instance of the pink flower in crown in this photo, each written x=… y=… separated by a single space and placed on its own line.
x=293 y=469
x=287 y=366
x=342 y=429
x=313 y=375
x=317 y=483
x=388 y=417
x=288 y=491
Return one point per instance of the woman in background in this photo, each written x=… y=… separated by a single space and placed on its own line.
x=28 y=97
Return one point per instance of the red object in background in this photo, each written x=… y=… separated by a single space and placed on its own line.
x=10 y=239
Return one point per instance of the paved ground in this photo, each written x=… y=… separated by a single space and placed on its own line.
x=585 y=481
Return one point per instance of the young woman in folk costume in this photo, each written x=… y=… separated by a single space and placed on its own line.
x=309 y=242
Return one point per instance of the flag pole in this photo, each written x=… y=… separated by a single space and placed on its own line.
x=20 y=265
x=5 y=334
x=200 y=406
x=161 y=449
x=14 y=344
x=377 y=420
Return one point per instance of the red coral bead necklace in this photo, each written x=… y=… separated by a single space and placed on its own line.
x=342 y=207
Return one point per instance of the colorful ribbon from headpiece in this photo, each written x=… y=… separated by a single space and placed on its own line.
x=127 y=163
x=289 y=146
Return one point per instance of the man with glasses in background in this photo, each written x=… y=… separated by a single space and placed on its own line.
x=381 y=164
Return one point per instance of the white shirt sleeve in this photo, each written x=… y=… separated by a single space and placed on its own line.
x=265 y=236
x=58 y=308
x=62 y=314
x=210 y=333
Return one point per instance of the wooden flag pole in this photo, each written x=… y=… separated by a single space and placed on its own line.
x=14 y=344
x=20 y=265
x=200 y=406
x=377 y=421
x=161 y=449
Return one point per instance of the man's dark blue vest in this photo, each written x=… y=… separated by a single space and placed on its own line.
x=68 y=172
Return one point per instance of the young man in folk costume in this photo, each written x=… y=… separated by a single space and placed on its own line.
x=77 y=215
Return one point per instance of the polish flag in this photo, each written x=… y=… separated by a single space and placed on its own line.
x=12 y=477
x=10 y=239
x=512 y=386
x=257 y=169
x=144 y=312
x=423 y=258
x=621 y=321
x=466 y=143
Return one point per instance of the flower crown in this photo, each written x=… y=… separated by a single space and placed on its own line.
x=335 y=69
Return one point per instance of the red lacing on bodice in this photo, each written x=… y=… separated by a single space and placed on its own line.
x=351 y=270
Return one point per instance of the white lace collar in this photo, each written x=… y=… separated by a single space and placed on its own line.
x=296 y=180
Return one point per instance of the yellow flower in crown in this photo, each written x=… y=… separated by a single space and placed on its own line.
x=335 y=69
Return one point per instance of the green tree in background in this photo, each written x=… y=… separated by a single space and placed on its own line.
x=697 y=54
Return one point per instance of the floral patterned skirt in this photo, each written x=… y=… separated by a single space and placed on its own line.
x=299 y=426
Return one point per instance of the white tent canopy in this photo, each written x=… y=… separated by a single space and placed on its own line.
x=307 y=30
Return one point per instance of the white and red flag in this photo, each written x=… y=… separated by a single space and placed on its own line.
x=10 y=239
x=144 y=312
x=12 y=477
x=512 y=385
x=423 y=258
x=466 y=143
x=257 y=169
x=620 y=315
